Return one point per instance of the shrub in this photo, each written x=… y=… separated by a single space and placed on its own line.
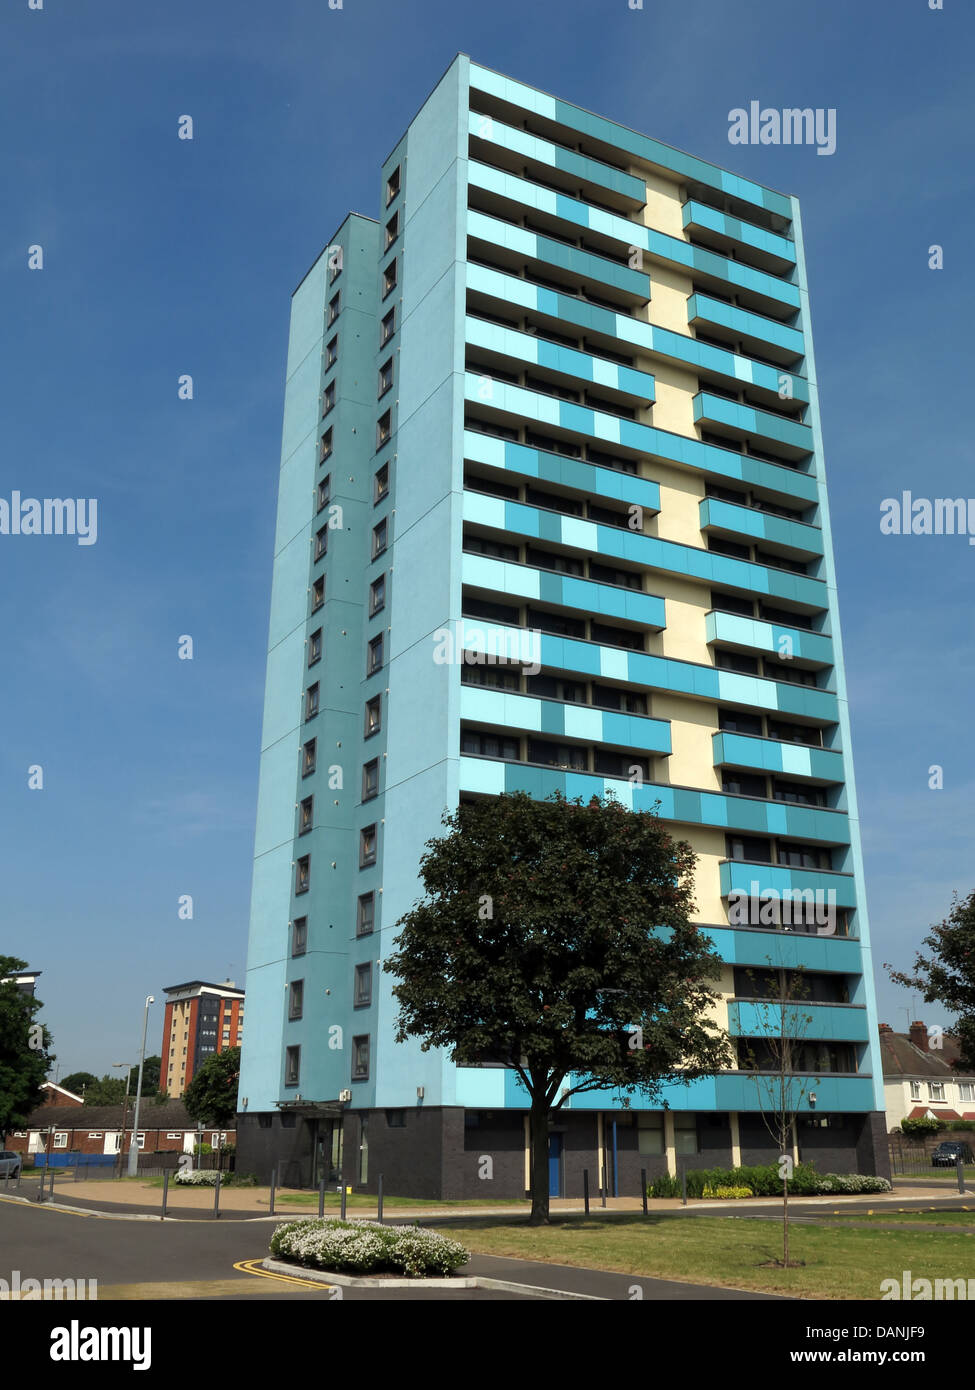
x=762 y=1180
x=366 y=1247
x=727 y=1192
x=196 y=1177
x=921 y=1126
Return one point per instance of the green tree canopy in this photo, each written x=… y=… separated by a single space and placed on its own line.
x=25 y=1050
x=107 y=1090
x=555 y=936
x=946 y=974
x=151 y=1068
x=212 y=1094
x=77 y=1081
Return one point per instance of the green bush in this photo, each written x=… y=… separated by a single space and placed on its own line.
x=922 y=1126
x=762 y=1180
x=728 y=1192
x=366 y=1247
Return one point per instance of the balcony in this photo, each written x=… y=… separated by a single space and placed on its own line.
x=743 y=421
x=516 y=349
x=508 y=710
x=769 y=755
x=804 y=542
x=502 y=577
x=786 y=950
x=523 y=461
x=822 y=1022
x=755 y=331
x=776 y=254
x=755 y=635
x=740 y=876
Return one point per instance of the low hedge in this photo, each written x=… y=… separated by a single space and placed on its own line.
x=763 y=1180
x=366 y=1247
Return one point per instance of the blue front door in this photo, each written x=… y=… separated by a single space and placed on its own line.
x=555 y=1165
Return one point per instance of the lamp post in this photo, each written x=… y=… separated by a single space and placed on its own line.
x=133 y=1144
x=125 y=1106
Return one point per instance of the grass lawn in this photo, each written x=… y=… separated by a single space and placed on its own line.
x=965 y=1217
x=839 y=1264
x=363 y=1201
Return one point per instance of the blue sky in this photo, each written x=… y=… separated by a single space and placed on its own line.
x=165 y=256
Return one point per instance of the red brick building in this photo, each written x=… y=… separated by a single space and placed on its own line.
x=200 y=1019
x=97 y=1129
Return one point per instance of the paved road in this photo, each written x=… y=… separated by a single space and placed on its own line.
x=136 y=1260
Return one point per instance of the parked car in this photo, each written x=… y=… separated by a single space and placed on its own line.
x=949 y=1151
x=10 y=1163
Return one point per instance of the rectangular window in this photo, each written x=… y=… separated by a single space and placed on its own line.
x=650 y=1131
x=387 y=328
x=936 y=1090
x=915 y=1090
x=311 y=700
x=60 y=1141
x=380 y=483
x=489 y=745
x=321 y=543
x=395 y=1119
x=365 y=914
x=392 y=231
x=299 y=936
x=685 y=1134
x=377 y=595
x=332 y=351
x=749 y=848
x=328 y=398
x=292 y=1066
x=380 y=538
x=389 y=278
x=296 y=998
x=363 y=985
x=315 y=647
x=383 y=429
x=309 y=757
x=734 y=722
x=385 y=376
x=370 y=780
x=360 y=1058
x=318 y=593
x=374 y=661
x=334 y=307
x=966 y=1090
x=306 y=815
x=368 y=842
x=392 y=185
x=303 y=874
x=324 y=491
x=374 y=716
x=325 y=450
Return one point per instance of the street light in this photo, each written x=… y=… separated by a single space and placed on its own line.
x=125 y=1105
x=133 y=1145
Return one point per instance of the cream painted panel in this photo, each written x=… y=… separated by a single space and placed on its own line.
x=663 y=210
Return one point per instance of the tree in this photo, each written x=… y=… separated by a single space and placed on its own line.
x=25 y=1055
x=212 y=1094
x=151 y=1068
x=781 y=1086
x=554 y=937
x=78 y=1081
x=108 y=1090
x=947 y=975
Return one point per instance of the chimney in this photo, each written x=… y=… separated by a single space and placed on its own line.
x=885 y=1028
x=919 y=1035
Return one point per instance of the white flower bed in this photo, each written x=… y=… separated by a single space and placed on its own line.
x=366 y=1247
x=851 y=1182
x=196 y=1177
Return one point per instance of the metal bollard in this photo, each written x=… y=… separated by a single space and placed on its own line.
x=216 y=1197
x=274 y=1179
x=602 y=1190
x=960 y=1169
x=342 y=1211
x=643 y=1188
x=683 y=1186
x=165 y=1194
x=379 y=1201
x=585 y=1189
x=321 y=1198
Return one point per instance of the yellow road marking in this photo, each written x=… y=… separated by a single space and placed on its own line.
x=254 y=1267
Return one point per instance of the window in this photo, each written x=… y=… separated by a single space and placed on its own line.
x=748 y=847
x=368 y=841
x=306 y=815
x=392 y=185
x=685 y=1134
x=803 y=856
x=370 y=780
x=299 y=936
x=292 y=1066
x=385 y=376
x=743 y=784
x=380 y=483
x=321 y=543
x=318 y=593
x=303 y=874
x=363 y=985
x=60 y=1141
x=328 y=398
x=360 y=1058
x=325 y=450
x=380 y=537
x=324 y=491
x=966 y=1090
x=334 y=307
x=488 y=745
x=311 y=700
x=915 y=1090
x=332 y=351
x=309 y=757
x=387 y=328
x=97 y=1134
x=264 y=1121
x=377 y=595
x=650 y=1131
x=365 y=914
x=296 y=998
x=374 y=661
x=383 y=429
x=734 y=722
x=315 y=647
x=289 y=1121
x=374 y=716
x=936 y=1090
x=389 y=278
x=395 y=1119
x=392 y=231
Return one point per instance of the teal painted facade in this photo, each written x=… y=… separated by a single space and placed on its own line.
x=472 y=463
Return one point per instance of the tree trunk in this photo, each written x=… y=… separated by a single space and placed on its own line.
x=539 y=1164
